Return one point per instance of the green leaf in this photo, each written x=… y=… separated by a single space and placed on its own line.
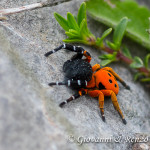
x=75 y=41
x=108 y=58
x=146 y=60
x=145 y=80
x=111 y=45
x=106 y=33
x=110 y=13
x=74 y=32
x=62 y=21
x=137 y=75
x=81 y=13
x=83 y=28
x=106 y=62
x=126 y=52
x=72 y=22
x=137 y=62
x=99 y=41
x=71 y=35
x=75 y=17
x=119 y=32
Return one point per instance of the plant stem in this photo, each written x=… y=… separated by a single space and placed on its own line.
x=123 y=58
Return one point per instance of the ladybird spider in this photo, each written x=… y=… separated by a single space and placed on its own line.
x=92 y=80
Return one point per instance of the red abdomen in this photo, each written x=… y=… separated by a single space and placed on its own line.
x=105 y=80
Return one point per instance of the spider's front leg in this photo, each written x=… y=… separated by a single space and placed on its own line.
x=73 y=97
x=72 y=48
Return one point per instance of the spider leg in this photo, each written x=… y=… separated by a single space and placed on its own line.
x=117 y=77
x=72 y=83
x=72 y=48
x=95 y=67
x=115 y=103
x=77 y=56
x=100 y=95
x=55 y=50
x=73 y=97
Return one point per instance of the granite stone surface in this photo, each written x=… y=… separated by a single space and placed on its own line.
x=30 y=117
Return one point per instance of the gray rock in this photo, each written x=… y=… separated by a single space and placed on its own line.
x=29 y=114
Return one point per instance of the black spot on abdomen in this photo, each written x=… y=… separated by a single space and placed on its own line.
x=110 y=81
x=109 y=74
x=101 y=86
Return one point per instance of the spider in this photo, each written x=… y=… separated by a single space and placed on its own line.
x=92 y=80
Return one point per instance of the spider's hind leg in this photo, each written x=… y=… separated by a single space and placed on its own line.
x=81 y=92
x=100 y=95
x=115 y=103
x=73 y=97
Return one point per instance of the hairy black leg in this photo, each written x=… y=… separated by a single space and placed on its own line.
x=69 y=47
x=80 y=51
x=72 y=83
x=75 y=96
x=57 y=83
x=77 y=56
x=53 y=51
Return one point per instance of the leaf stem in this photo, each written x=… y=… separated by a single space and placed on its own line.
x=123 y=58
